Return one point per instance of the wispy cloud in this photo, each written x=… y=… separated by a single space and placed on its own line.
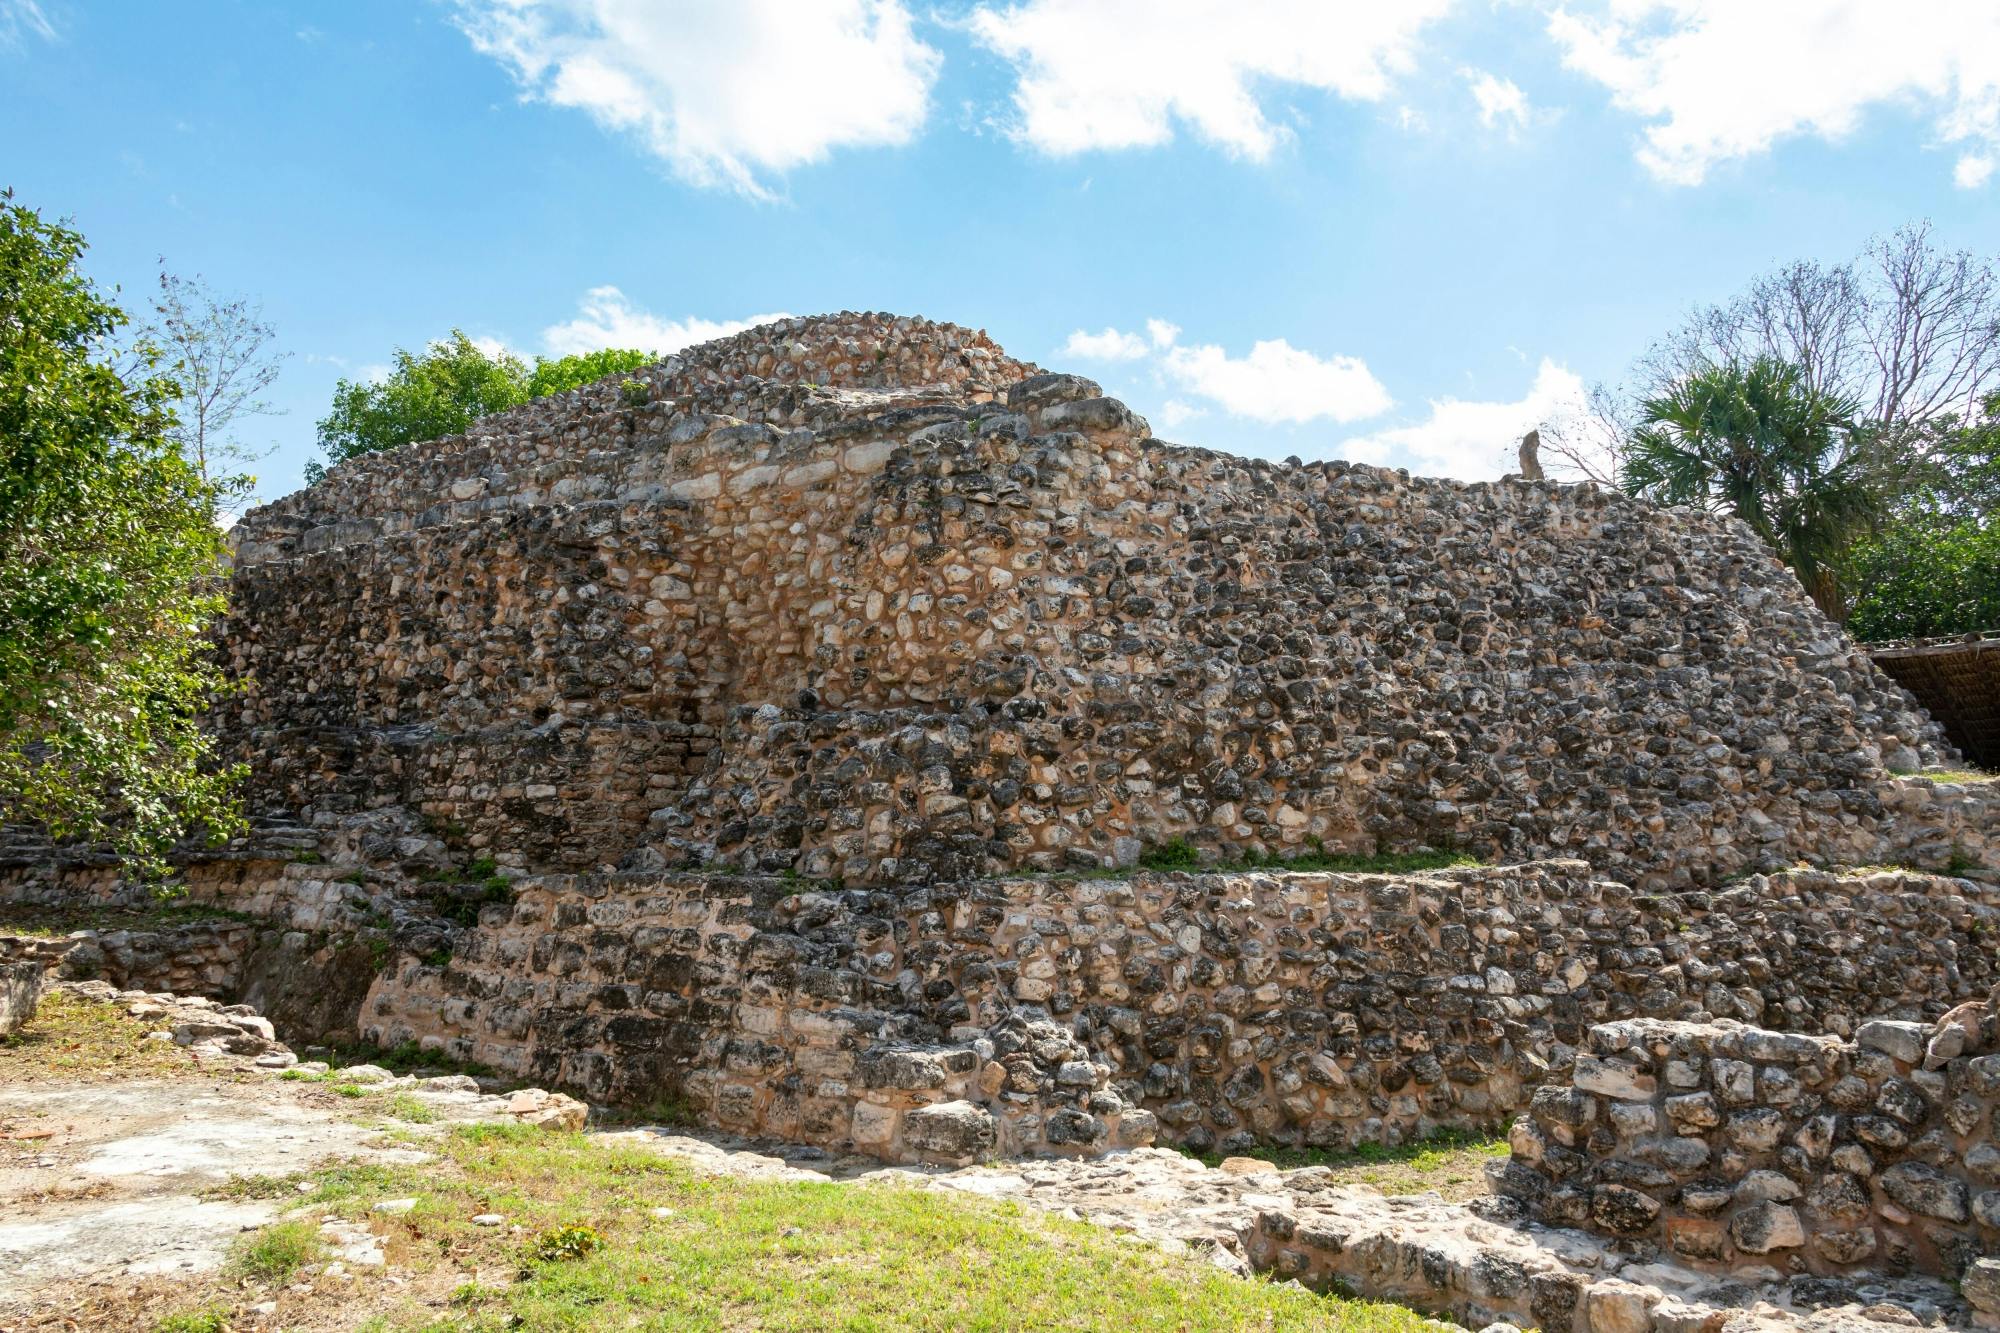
x=1720 y=80
x=1502 y=105
x=725 y=94
x=1110 y=345
x=1103 y=74
x=1274 y=383
x=1474 y=440
x=20 y=19
x=606 y=317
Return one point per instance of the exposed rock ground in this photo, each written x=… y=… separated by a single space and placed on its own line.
x=105 y=1180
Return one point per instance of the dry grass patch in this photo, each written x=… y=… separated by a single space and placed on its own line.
x=71 y=1038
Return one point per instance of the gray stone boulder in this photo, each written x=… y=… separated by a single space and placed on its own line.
x=20 y=992
x=955 y=1132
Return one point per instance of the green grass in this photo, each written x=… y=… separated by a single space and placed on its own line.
x=1452 y=1163
x=738 y=1254
x=1960 y=775
x=255 y=1187
x=1179 y=854
x=207 y=1319
x=273 y=1254
x=404 y=1106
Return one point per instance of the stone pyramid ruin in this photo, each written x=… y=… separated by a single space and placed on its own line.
x=786 y=731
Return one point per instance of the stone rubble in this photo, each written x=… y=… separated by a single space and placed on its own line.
x=1738 y=1148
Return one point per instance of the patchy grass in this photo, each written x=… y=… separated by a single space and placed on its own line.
x=405 y=1106
x=1958 y=775
x=70 y=1038
x=207 y=1319
x=53 y=922
x=1452 y=1163
x=274 y=1254
x=1179 y=854
x=242 y=1188
x=611 y=1234
x=407 y=1058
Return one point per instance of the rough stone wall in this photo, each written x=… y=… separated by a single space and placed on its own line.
x=23 y=962
x=865 y=598
x=1737 y=1146
x=1237 y=1009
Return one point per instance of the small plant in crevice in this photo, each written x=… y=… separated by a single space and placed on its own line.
x=636 y=393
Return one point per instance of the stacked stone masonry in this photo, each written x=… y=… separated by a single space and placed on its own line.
x=863 y=597
x=1233 y=1010
x=1738 y=1147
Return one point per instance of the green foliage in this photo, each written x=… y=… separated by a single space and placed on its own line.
x=1177 y=854
x=1757 y=441
x=447 y=387
x=207 y=1319
x=1919 y=581
x=573 y=372
x=109 y=564
x=565 y=1242
x=439 y=392
x=1933 y=566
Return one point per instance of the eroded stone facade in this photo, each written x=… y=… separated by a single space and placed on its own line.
x=1737 y=1146
x=863 y=597
x=1234 y=1010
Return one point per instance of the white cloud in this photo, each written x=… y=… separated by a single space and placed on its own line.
x=1278 y=382
x=1174 y=412
x=1474 y=441
x=1973 y=170
x=23 y=17
x=1162 y=333
x=722 y=91
x=1110 y=345
x=1122 y=73
x=493 y=348
x=1502 y=104
x=1725 y=79
x=606 y=317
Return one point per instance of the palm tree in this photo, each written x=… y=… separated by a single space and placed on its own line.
x=1760 y=443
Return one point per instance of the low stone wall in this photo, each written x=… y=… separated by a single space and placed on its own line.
x=1239 y=1009
x=1736 y=1146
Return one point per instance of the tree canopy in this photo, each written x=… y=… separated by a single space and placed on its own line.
x=444 y=389
x=1931 y=567
x=581 y=368
x=1759 y=442
x=109 y=565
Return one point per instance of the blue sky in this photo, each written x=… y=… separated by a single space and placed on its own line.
x=1401 y=233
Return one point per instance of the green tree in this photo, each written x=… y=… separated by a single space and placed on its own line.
x=109 y=572
x=446 y=388
x=581 y=368
x=1932 y=567
x=440 y=392
x=1756 y=441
